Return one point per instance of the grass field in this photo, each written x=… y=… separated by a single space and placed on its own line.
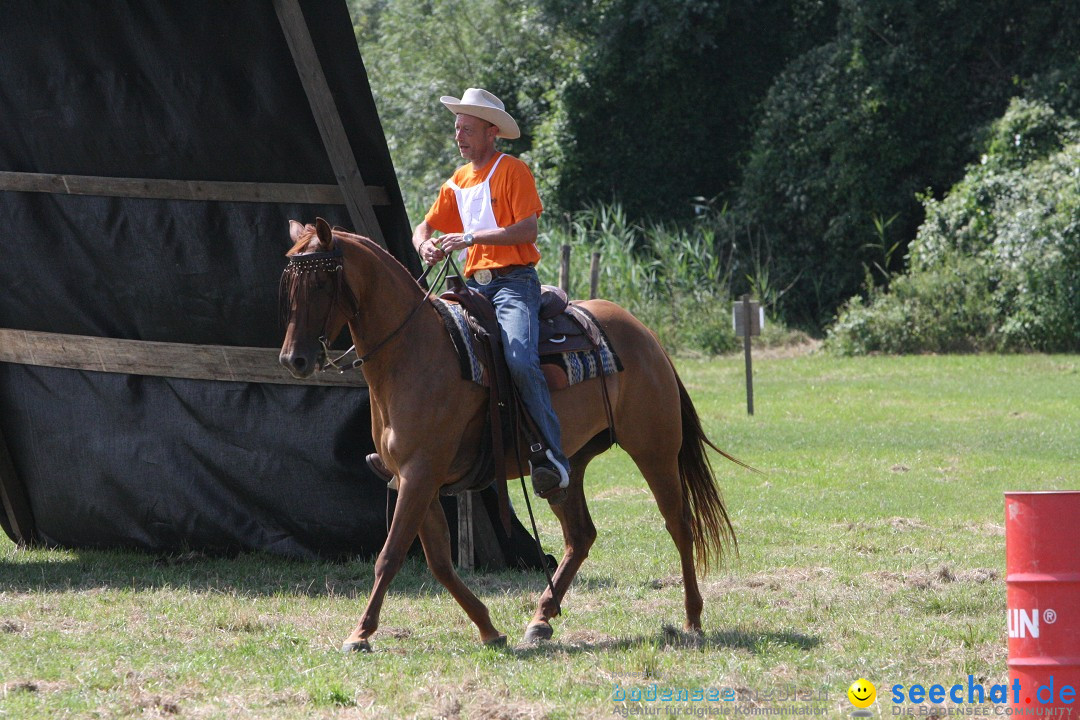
x=872 y=547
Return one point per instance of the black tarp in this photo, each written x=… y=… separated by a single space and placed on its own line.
x=182 y=90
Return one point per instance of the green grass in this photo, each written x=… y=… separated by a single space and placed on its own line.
x=872 y=547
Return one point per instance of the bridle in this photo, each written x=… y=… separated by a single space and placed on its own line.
x=333 y=262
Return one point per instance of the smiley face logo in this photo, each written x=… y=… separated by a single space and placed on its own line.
x=862 y=693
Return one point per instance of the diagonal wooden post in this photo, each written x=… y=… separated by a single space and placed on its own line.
x=327 y=118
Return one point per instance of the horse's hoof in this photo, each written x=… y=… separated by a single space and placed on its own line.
x=499 y=641
x=538 y=632
x=360 y=646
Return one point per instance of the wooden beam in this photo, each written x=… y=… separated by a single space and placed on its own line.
x=159 y=359
x=211 y=190
x=324 y=110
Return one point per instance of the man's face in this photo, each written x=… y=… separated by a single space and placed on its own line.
x=475 y=137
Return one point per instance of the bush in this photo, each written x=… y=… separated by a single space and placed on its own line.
x=945 y=309
x=1000 y=254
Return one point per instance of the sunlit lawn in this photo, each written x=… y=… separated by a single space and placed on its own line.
x=873 y=546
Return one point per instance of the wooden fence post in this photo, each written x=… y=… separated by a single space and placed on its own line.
x=466 y=551
x=747 y=325
x=749 y=319
x=564 y=269
x=15 y=515
x=594 y=276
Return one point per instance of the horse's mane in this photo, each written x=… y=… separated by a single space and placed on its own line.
x=380 y=252
x=390 y=262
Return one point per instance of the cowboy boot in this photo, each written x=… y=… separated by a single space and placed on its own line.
x=549 y=478
x=378 y=467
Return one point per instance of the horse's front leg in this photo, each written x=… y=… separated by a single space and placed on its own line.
x=579 y=533
x=435 y=536
x=414 y=498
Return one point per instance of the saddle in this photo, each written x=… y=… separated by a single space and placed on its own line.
x=564 y=328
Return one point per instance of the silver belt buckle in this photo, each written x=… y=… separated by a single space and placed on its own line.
x=483 y=277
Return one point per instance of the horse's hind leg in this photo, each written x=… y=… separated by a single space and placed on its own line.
x=435 y=536
x=661 y=471
x=579 y=533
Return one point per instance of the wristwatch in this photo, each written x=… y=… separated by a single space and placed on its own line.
x=468 y=239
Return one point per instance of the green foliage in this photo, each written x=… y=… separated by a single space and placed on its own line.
x=946 y=309
x=672 y=278
x=416 y=52
x=647 y=103
x=855 y=128
x=819 y=121
x=996 y=265
x=664 y=98
x=1029 y=131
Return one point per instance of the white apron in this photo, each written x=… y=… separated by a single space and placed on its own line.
x=474 y=208
x=474 y=203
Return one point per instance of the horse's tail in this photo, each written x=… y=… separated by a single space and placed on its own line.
x=711 y=525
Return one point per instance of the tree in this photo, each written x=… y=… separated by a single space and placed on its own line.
x=853 y=130
x=662 y=104
x=417 y=51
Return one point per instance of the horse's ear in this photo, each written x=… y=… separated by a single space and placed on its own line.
x=326 y=235
x=296 y=230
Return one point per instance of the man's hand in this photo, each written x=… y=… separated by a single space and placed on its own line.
x=452 y=242
x=428 y=248
x=431 y=252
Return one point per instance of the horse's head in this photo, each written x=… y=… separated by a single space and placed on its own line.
x=313 y=298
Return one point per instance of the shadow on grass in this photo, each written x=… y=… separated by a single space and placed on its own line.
x=253 y=574
x=754 y=642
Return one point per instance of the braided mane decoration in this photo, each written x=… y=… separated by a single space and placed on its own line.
x=308 y=268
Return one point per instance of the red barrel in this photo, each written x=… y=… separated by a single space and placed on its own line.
x=1042 y=559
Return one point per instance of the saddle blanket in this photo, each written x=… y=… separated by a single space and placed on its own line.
x=584 y=364
x=575 y=367
x=457 y=324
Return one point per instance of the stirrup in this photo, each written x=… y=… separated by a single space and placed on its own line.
x=549 y=478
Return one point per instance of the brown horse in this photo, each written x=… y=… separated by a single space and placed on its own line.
x=336 y=278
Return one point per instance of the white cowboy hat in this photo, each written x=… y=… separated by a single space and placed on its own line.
x=482 y=104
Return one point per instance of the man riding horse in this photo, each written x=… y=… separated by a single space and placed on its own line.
x=489 y=208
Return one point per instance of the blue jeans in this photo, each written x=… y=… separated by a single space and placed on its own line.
x=516 y=297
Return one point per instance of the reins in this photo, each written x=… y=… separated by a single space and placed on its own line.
x=532 y=517
x=359 y=361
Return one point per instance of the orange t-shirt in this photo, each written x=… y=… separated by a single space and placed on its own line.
x=513 y=198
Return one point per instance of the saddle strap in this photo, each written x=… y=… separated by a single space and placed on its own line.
x=498 y=446
x=607 y=401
